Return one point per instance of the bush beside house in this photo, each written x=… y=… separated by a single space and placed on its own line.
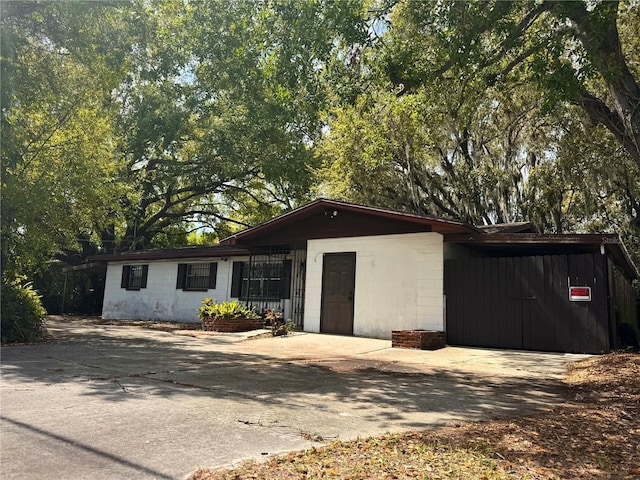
x=22 y=313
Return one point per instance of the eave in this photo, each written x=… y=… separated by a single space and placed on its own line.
x=210 y=251
x=382 y=221
x=604 y=242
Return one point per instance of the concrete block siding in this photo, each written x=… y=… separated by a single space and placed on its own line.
x=161 y=300
x=399 y=282
x=399 y=285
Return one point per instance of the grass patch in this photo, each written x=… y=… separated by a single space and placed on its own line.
x=595 y=435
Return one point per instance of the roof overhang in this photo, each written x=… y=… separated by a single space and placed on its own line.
x=325 y=218
x=609 y=243
x=513 y=227
x=85 y=267
x=211 y=251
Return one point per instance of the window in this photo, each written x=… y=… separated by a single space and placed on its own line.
x=197 y=277
x=261 y=280
x=134 y=277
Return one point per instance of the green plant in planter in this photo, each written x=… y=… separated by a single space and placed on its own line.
x=225 y=310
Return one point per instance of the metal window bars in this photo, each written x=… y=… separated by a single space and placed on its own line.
x=264 y=277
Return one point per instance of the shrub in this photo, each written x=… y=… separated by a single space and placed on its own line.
x=279 y=327
x=228 y=310
x=272 y=316
x=22 y=312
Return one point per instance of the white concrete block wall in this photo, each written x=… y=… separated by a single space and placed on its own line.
x=399 y=282
x=161 y=300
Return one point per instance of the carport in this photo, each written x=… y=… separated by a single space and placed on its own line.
x=519 y=291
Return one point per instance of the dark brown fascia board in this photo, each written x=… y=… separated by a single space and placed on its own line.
x=214 y=251
x=610 y=241
x=309 y=208
x=533 y=238
x=513 y=227
x=83 y=267
x=385 y=212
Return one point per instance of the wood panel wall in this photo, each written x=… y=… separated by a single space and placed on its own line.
x=523 y=303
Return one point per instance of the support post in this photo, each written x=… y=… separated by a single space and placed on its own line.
x=64 y=293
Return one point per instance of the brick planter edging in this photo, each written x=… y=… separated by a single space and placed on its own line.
x=230 y=325
x=420 y=339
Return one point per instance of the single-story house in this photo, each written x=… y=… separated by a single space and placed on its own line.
x=341 y=268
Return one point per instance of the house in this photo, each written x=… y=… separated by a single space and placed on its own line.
x=336 y=267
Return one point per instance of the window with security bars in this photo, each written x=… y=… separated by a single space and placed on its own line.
x=197 y=276
x=134 y=277
x=261 y=280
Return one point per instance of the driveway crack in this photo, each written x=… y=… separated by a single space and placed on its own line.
x=124 y=389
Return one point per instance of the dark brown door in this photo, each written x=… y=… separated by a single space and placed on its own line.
x=338 y=285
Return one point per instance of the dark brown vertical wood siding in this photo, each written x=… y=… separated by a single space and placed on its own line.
x=523 y=303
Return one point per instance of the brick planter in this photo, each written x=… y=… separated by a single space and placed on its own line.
x=419 y=339
x=229 y=325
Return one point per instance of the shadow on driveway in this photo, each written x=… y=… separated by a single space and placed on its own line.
x=165 y=404
x=119 y=364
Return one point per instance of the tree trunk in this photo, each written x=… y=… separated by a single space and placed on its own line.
x=598 y=33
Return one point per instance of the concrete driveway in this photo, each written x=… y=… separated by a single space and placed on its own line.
x=122 y=402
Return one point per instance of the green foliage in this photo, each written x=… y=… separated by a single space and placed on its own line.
x=460 y=118
x=122 y=121
x=60 y=62
x=127 y=124
x=590 y=186
x=457 y=152
x=201 y=237
x=223 y=135
x=171 y=236
x=22 y=312
x=574 y=51
x=225 y=310
x=83 y=291
x=280 y=328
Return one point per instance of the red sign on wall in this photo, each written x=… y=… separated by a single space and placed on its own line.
x=580 y=294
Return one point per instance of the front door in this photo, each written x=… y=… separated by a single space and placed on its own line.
x=338 y=285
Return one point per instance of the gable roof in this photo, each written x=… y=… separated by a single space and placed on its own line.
x=324 y=218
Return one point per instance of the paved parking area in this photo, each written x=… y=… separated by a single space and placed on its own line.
x=121 y=402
